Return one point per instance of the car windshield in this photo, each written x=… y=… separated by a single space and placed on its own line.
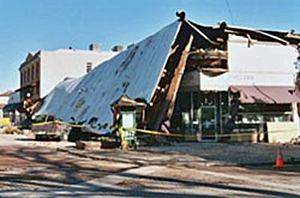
x=43 y=118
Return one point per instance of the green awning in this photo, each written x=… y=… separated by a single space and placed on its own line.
x=11 y=107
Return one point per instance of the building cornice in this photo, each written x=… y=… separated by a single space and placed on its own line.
x=33 y=58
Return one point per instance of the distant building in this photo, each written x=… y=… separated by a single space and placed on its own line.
x=1 y=110
x=117 y=48
x=10 y=110
x=40 y=72
x=3 y=101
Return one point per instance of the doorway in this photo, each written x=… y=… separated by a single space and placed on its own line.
x=208 y=123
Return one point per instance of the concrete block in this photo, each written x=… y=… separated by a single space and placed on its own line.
x=88 y=145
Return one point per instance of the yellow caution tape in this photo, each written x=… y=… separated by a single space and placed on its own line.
x=43 y=123
x=158 y=133
x=207 y=136
x=71 y=125
x=161 y=133
x=57 y=122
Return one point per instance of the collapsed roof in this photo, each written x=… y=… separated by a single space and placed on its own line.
x=135 y=71
x=151 y=70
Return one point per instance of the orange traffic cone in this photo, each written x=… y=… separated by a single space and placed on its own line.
x=279 y=159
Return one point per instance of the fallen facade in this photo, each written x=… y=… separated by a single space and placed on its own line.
x=205 y=80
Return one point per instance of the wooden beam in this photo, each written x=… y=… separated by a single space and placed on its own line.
x=174 y=86
x=166 y=107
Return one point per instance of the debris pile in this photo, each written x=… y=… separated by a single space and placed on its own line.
x=10 y=130
x=295 y=140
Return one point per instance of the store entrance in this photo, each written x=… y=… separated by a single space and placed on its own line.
x=208 y=123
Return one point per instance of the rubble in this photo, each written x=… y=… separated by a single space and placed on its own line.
x=295 y=140
x=10 y=130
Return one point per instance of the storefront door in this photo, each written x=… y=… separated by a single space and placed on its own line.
x=208 y=123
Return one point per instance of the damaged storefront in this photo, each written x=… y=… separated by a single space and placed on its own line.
x=244 y=86
x=214 y=114
x=205 y=80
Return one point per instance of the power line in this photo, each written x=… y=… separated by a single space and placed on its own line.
x=230 y=12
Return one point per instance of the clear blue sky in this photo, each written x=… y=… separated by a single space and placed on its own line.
x=30 y=25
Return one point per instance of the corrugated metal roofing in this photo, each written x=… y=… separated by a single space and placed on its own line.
x=135 y=71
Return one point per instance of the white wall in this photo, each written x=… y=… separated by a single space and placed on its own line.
x=3 y=99
x=263 y=64
x=57 y=65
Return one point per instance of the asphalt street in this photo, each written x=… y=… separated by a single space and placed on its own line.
x=56 y=169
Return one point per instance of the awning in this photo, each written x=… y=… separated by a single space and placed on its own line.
x=266 y=94
x=11 y=107
x=126 y=101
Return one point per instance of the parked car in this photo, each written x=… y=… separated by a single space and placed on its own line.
x=46 y=127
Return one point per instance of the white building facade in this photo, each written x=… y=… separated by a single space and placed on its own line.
x=261 y=64
x=4 y=97
x=40 y=72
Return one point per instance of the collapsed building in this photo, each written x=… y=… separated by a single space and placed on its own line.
x=206 y=80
